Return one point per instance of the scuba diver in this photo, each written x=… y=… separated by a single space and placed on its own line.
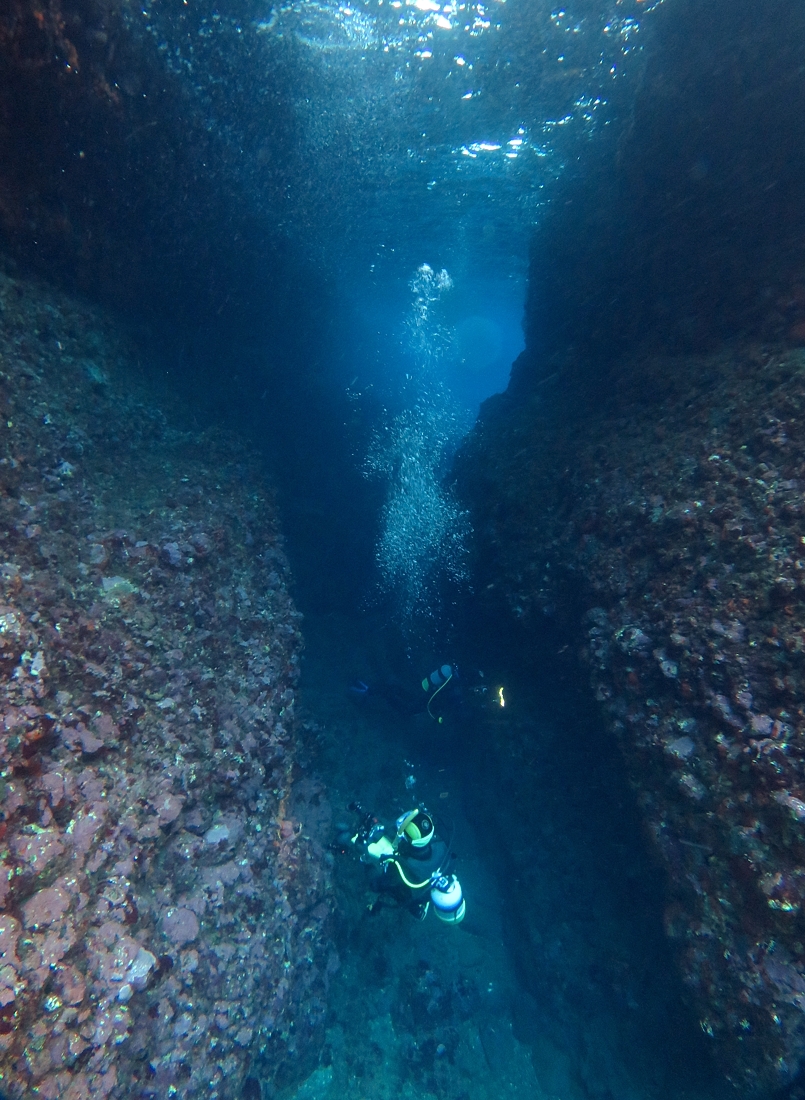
x=412 y=864
x=440 y=695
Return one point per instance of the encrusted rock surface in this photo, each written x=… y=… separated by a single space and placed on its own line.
x=663 y=525
x=162 y=888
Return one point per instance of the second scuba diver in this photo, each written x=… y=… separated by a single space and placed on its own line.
x=439 y=694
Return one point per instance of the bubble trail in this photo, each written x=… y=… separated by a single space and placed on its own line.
x=425 y=533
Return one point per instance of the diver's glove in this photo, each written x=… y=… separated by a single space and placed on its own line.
x=381 y=850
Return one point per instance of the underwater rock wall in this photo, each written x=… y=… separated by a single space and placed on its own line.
x=162 y=891
x=150 y=159
x=118 y=177
x=662 y=529
x=683 y=224
x=640 y=488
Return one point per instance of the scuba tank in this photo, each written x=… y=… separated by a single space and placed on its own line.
x=448 y=900
x=434 y=683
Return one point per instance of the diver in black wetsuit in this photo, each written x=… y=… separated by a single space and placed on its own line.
x=417 y=859
x=439 y=695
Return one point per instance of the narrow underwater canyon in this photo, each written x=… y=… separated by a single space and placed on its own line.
x=208 y=216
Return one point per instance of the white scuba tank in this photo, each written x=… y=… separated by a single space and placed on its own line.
x=448 y=900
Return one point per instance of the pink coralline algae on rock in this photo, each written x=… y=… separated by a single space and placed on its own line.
x=168 y=808
x=180 y=926
x=45 y=907
x=149 y=652
x=10 y=984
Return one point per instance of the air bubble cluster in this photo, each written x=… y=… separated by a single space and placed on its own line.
x=424 y=532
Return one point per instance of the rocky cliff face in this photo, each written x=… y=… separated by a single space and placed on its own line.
x=118 y=178
x=664 y=533
x=157 y=888
x=682 y=225
x=641 y=487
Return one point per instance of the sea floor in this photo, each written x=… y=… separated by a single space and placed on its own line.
x=556 y=986
x=416 y=1009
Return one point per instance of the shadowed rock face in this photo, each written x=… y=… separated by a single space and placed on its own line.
x=114 y=181
x=121 y=178
x=641 y=486
x=685 y=227
x=664 y=535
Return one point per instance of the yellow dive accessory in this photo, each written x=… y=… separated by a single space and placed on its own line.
x=383 y=851
x=412 y=885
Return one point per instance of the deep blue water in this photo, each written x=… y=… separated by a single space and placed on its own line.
x=405 y=134
x=372 y=139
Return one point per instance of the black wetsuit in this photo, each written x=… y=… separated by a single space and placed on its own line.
x=419 y=865
x=442 y=705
